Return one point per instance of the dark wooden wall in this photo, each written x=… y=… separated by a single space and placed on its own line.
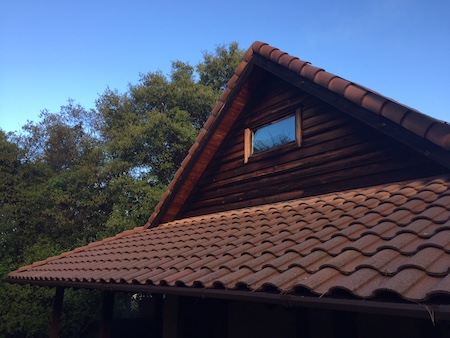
x=338 y=153
x=238 y=319
x=185 y=317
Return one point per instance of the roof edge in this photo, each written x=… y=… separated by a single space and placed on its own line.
x=409 y=309
x=78 y=249
x=210 y=125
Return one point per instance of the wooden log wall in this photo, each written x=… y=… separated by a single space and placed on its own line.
x=337 y=153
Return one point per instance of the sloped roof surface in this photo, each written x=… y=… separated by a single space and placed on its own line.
x=391 y=238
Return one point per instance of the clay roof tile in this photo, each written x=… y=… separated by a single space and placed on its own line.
x=257 y=45
x=338 y=85
x=276 y=55
x=238 y=71
x=373 y=102
x=417 y=123
x=286 y=59
x=310 y=72
x=296 y=65
x=323 y=78
x=394 y=111
x=439 y=133
x=355 y=93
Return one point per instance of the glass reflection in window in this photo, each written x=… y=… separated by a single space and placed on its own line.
x=274 y=135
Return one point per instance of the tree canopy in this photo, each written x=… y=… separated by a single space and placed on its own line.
x=77 y=175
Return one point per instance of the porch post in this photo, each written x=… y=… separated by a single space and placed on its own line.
x=151 y=310
x=170 y=320
x=57 y=310
x=107 y=315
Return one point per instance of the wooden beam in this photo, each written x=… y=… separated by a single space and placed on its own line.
x=107 y=315
x=170 y=321
x=248 y=144
x=57 y=310
x=298 y=127
x=151 y=311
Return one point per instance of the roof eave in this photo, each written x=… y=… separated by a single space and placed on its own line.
x=434 y=312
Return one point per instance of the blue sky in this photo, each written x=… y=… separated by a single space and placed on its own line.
x=51 y=51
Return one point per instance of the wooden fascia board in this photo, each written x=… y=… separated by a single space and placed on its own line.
x=380 y=123
x=202 y=146
x=440 y=311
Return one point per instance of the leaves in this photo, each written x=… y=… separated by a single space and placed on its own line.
x=217 y=68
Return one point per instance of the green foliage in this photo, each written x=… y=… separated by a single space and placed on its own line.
x=133 y=198
x=80 y=308
x=9 y=167
x=155 y=123
x=217 y=68
x=80 y=175
x=25 y=310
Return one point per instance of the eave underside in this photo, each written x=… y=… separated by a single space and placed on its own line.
x=386 y=305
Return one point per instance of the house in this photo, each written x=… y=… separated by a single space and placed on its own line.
x=309 y=206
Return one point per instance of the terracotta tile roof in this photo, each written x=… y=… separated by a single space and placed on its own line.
x=427 y=128
x=393 y=238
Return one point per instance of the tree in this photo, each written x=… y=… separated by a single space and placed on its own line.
x=151 y=128
x=9 y=168
x=79 y=175
x=52 y=200
x=62 y=180
x=217 y=68
x=153 y=125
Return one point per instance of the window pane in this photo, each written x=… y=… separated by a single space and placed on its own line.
x=274 y=135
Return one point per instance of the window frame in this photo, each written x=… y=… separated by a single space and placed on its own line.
x=250 y=132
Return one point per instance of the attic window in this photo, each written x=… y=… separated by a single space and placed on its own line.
x=273 y=135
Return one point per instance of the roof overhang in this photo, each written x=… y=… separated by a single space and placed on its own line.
x=433 y=312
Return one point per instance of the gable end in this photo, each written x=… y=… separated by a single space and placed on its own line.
x=391 y=119
x=429 y=138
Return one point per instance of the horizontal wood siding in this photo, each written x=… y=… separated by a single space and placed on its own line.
x=337 y=153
